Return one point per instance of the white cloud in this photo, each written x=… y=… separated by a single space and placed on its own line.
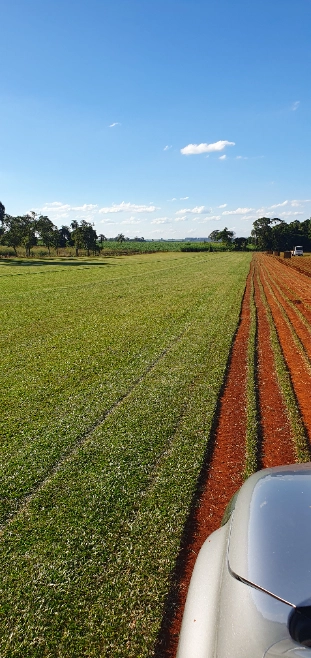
x=180 y=219
x=222 y=157
x=202 y=220
x=131 y=207
x=86 y=207
x=195 y=211
x=167 y=147
x=223 y=205
x=295 y=106
x=195 y=149
x=161 y=220
x=131 y=220
x=290 y=213
x=116 y=123
x=184 y=198
x=107 y=221
x=279 y=205
x=238 y=211
x=56 y=206
x=241 y=157
x=299 y=202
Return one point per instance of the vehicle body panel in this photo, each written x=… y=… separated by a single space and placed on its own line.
x=265 y=545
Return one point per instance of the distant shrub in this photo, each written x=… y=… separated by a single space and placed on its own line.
x=42 y=253
x=198 y=246
x=6 y=251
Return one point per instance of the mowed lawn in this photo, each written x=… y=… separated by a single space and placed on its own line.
x=110 y=374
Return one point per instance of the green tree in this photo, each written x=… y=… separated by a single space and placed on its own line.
x=2 y=215
x=12 y=233
x=46 y=230
x=77 y=236
x=120 y=238
x=226 y=236
x=214 y=236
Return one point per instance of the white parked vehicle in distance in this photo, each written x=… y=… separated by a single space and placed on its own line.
x=297 y=251
x=250 y=591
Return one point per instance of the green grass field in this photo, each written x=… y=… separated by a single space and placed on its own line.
x=110 y=374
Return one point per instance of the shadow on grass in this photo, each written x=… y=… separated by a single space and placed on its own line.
x=39 y=263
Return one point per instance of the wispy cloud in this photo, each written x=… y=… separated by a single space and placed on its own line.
x=238 y=211
x=124 y=207
x=180 y=219
x=279 y=205
x=197 y=210
x=161 y=220
x=295 y=106
x=184 y=198
x=222 y=157
x=196 y=149
x=116 y=123
x=203 y=220
x=131 y=220
x=167 y=147
x=86 y=207
x=223 y=205
x=291 y=213
x=299 y=202
x=241 y=157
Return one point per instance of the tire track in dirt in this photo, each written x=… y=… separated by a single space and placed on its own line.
x=221 y=476
x=277 y=442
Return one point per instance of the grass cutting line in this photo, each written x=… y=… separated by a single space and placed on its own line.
x=68 y=455
x=299 y=431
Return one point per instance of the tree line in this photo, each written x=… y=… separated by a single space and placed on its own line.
x=277 y=235
x=30 y=229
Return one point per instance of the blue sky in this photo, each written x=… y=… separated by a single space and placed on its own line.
x=158 y=119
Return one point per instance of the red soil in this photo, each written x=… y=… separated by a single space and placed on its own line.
x=300 y=373
x=277 y=446
x=222 y=474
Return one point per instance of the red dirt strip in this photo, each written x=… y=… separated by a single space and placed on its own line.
x=277 y=444
x=224 y=464
x=225 y=472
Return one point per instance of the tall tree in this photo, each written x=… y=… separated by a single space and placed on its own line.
x=2 y=215
x=46 y=230
x=226 y=236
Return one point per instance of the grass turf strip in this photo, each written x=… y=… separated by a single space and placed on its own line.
x=74 y=344
x=89 y=557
